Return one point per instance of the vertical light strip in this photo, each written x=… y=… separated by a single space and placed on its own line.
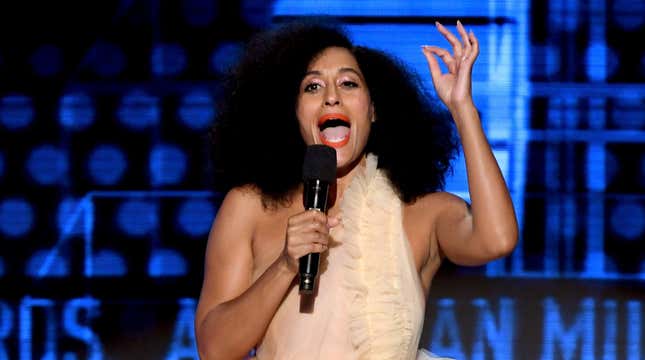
x=595 y=256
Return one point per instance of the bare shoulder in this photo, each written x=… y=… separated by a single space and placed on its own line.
x=433 y=205
x=243 y=198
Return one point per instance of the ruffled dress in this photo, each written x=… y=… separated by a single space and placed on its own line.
x=369 y=302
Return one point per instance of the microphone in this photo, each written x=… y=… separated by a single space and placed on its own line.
x=318 y=172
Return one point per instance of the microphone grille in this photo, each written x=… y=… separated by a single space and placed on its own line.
x=319 y=163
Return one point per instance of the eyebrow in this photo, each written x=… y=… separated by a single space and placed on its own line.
x=341 y=70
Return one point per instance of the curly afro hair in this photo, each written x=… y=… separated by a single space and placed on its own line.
x=256 y=137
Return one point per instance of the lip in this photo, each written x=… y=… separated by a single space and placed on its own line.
x=330 y=116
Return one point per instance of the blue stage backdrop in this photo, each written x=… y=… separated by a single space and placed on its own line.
x=105 y=183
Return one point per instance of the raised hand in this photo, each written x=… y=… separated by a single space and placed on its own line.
x=453 y=87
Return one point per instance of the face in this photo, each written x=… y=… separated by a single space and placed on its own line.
x=334 y=106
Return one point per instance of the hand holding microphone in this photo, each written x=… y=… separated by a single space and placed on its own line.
x=308 y=232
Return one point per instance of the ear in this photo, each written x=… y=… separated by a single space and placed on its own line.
x=372 y=113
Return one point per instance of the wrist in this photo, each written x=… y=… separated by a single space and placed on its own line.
x=285 y=267
x=464 y=112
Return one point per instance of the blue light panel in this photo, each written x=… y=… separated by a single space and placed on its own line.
x=139 y=110
x=137 y=217
x=47 y=60
x=197 y=110
x=166 y=262
x=168 y=59
x=16 y=217
x=48 y=165
x=225 y=56
x=195 y=216
x=16 y=111
x=167 y=165
x=108 y=263
x=76 y=111
x=107 y=164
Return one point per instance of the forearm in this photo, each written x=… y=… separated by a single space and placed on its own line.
x=232 y=328
x=494 y=222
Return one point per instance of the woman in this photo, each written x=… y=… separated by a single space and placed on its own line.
x=388 y=226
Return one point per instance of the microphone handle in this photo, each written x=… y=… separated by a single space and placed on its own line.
x=314 y=197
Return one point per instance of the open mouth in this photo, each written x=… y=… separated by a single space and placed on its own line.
x=334 y=130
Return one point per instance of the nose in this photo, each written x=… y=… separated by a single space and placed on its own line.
x=331 y=96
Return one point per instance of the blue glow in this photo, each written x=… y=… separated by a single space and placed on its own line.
x=196 y=216
x=16 y=217
x=609 y=345
x=498 y=335
x=6 y=325
x=199 y=13
x=107 y=59
x=257 y=13
x=627 y=113
x=165 y=262
x=225 y=56
x=137 y=217
x=74 y=326
x=66 y=209
x=16 y=111
x=642 y=170
x=564 y=14
x=47 y=60
x=108 y=263
x=597 y=158
x=58 y=267
x=628 y=14
x=628 y=219
x=167 y=164
x=197 y=110
x=445 y=334
x=601 y=61
x=138 y=110
x=611 y=168
x=183 y=339
x=106 y=164
x=48 y=165
x=168 y=59
x=634 y=323
x=557 y=335
x=76 y=111
x=26 y=326
x=389 y=8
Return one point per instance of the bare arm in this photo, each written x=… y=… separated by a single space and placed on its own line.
x=234 y=312
x=487 y=230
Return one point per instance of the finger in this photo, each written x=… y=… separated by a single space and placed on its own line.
x=307 y=217
x=445 y=57
x=317 y=248
x=475 y=44
x=466 y=41
x=452 y=39
x=333 y=221
x=433 y=64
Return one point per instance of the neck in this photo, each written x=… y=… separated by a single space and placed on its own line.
x=343 y=179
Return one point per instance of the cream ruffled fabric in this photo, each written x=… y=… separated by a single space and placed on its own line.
x=386 y=302
x=370 y=304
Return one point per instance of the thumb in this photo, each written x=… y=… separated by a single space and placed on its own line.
x=433 y=64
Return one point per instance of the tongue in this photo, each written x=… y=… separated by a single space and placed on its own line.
x=336 y=133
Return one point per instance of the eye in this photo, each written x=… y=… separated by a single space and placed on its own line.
x=349 y=84
x=311 y=87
